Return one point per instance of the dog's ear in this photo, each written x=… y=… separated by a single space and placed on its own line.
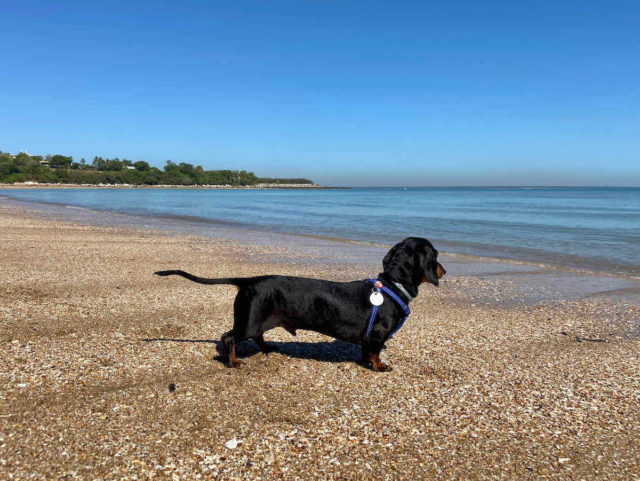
x=388 y=259
x=399 y=261
x=429 y=265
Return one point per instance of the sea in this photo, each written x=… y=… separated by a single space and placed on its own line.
x=594 y=229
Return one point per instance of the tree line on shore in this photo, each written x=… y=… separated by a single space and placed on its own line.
x=61 y=169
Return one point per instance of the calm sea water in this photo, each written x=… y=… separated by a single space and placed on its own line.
x=590 y=228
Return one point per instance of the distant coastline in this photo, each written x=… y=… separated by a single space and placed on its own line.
x=28 y=170
x=37 y=185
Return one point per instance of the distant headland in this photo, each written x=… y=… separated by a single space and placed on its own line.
x=27 y=170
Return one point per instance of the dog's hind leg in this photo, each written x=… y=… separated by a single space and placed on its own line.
x=229 y=345
x=246 y=322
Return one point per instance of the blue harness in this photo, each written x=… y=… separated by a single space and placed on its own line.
x=377 y=287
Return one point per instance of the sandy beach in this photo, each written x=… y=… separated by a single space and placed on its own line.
x=483 y=386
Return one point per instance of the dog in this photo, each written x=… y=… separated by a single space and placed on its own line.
x=337 y=309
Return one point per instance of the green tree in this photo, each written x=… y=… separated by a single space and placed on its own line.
x=141 y=165
x=98 y=163
x=7 y=167
x=60 y=161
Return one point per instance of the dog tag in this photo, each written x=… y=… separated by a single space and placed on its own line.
x=376 y=298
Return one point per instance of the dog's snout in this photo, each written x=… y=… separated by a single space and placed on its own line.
x=440 y=271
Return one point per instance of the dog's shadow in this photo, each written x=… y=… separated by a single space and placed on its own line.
x=326 y=351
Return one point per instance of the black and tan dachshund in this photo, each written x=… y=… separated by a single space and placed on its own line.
x=337 y=309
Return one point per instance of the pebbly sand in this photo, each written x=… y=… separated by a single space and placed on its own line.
x=482 y=388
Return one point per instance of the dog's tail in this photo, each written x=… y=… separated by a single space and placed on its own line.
x=236 y=281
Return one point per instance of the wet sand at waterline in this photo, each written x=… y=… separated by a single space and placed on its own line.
x=92 y=341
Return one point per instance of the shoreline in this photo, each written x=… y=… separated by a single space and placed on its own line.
x=481 y=388
x=529 y=282
x=236 y=230
x=584 y=256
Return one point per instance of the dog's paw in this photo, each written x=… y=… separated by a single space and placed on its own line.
x=382 y=367
x=236 y=364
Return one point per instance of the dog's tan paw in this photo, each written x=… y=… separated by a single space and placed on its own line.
x=382 y=367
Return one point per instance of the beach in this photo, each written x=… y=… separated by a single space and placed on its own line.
x=110 y=372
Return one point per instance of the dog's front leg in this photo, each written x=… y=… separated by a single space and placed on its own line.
x=371 y=354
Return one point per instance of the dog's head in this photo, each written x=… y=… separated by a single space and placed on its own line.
x=412 y=262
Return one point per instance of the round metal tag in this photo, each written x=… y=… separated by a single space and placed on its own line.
x=376 y=298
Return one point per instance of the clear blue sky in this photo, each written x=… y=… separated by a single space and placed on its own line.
x=343 y=92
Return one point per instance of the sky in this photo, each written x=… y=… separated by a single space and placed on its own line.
x=341 y=92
